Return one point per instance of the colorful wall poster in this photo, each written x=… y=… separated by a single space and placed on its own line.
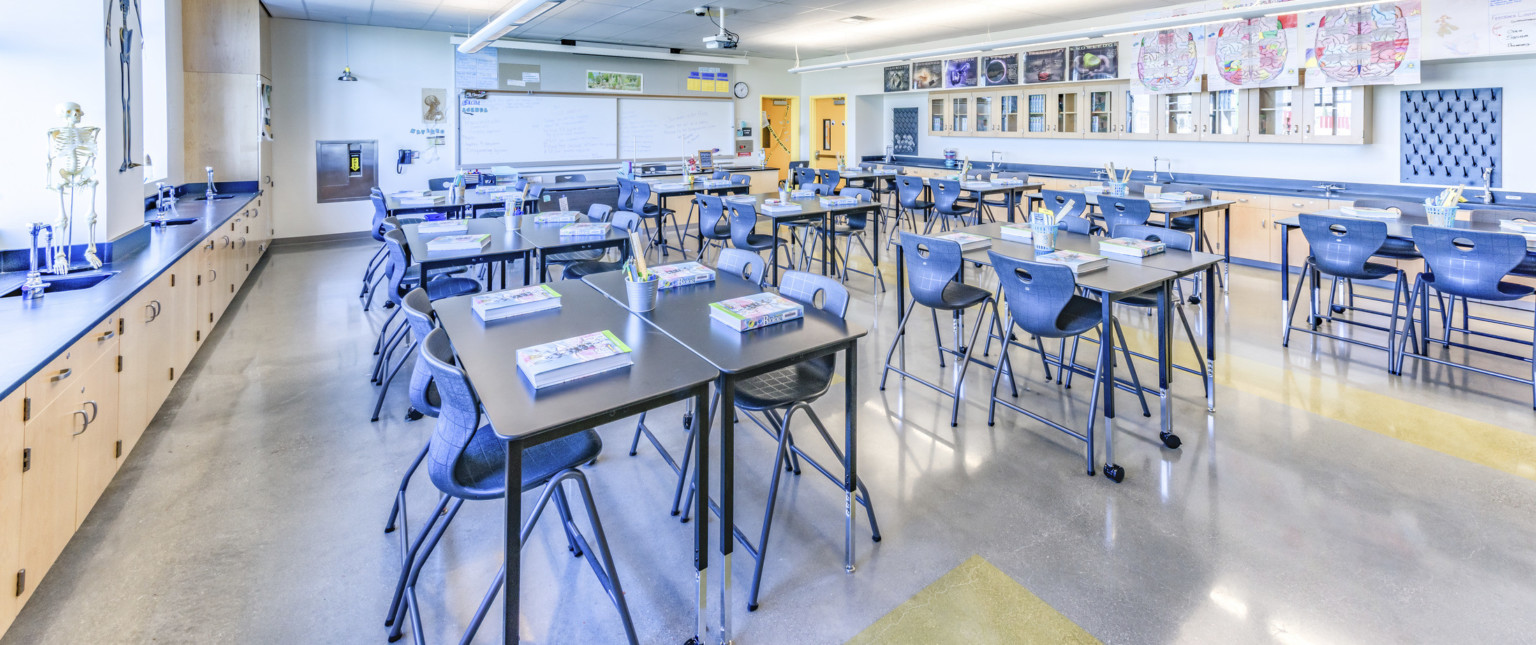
x=598 y=81
x=1512 y=24
x=960 y=72
x=1167 y=61
x=1260 y=52
x=1000 y=70
x=1094 y=62
x=898 y=78
x=722 y=82
x=928 y=75
x=1046 y=66
x=1367 y=45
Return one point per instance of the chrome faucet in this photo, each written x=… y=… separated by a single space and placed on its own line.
x=165 y=199
x=1488 y=185
x=34 y=286
x=211 y=191
x=1155 y=166
x=1328 y=189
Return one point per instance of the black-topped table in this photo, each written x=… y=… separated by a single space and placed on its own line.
x=450 y=204
x=679 y=189
x=663 y=372
x=683 y=314
x=549 y=241
x=505 y=246
x=1198 y=208
x=812 y=210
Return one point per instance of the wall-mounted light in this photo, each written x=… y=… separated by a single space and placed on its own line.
x=346 y=70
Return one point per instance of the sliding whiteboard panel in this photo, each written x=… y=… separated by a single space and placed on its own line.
x=524 y=128
x=673 y=128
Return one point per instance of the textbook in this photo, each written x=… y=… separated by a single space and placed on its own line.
x=777 y=206
x=1131 y=246
x=1517 y=226
x=1008 y=181
x=442 y=227
x=670 y=186
x=514 y=302
x=1080 y=263
x=740 y=199
x=967 y=241
x=556 y=217
x=801 y=194
x=1016 y=232
x=1179 y=197
x=838 y=202
x=423 y=200
x=584 y=229
x=448 y=243
x=682 y=274
x=755 y=311
x=1369 y=213
x=712 y=183
x=979 y=185
x=572 y=358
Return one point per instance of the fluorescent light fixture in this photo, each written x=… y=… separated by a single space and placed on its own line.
x=617 y=51
x=1209 y=17
x=515 y=16
x=1342 y=6
x=856 y=20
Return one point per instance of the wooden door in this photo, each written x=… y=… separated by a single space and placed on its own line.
x=96 y=446
x=777 y=133
x=137 y=349
x=48 y=485
x=829 y=117
x=11 y=445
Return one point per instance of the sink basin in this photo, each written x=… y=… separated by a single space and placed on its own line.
x=73 y=282
x=172 y=221
x=216 y=197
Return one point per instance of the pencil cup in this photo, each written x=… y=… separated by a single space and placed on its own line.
x=642 y=295
x=1442 y=216
x=1042 y=231
x=1117 y=188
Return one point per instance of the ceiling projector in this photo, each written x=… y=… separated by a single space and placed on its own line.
x=719 y=41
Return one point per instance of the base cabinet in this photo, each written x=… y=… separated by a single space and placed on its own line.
x=12 y=447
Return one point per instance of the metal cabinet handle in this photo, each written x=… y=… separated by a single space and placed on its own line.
x=215 y=273
x=154 y=310
x=85 y=423
x=105 y=336
x=63 y=374
x=210 y=245
x=95 y=410
x=1295 y=204
x=242 y=242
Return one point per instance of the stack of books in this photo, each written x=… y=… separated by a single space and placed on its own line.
x=1132 y=247
x=573 y=358
x=1093 y=190
x=838 y=202
x=421 y=200
x=740 y=199
x=778 y=206
x=585 y=229
x=1369 y=213
x=802 y=194
x=670 y=186
x=1517 y=226
x=977 y=185
x=1016 y=232
x=455 y=243
x=442 y=227
x=755 y=311
x=968 y=242
x=1079 y=262
x=1180 y=197
x=712 y=183
x=514 y=302
x=1008 y=181
x=682 y=274
x=557 y=217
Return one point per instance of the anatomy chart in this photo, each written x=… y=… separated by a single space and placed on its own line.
x=1260 y=52
x=1167 y=61
x=1366 y=45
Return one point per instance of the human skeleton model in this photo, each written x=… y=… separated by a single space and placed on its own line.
x=125 y=68
x=72 y=166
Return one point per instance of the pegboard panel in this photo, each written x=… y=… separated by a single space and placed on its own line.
x=904 y=130
x=1449 y=136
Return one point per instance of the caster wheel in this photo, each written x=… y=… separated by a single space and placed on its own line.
x=1114 y=472
x=1194 y=300
x=1170 y=439
x=413 y=414
x=1338 y=309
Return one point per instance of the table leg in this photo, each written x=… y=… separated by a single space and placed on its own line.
x=701 y=514
x=850 y=465
x=512 y=545
x=727 y=393
x=773 y=255
x=826 y=241
x=527 y=259
x=901 y=277
x=503 y=272
x=874 y=243
x=1165 y=363
x=1210 y=339
x=543 y=268
x=1285 y=276
x=1226 y=247
x=1107 y=367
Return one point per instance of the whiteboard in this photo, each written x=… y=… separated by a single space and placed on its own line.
x=521 y=128
x=673 y=128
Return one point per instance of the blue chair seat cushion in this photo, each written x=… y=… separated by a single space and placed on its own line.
x=1527 y=267
x=1398 y=249
x=1145 y=299
x=957 y=295
x=803 y=381
x=481 y=470
x=959 y=210
x=1369 y=271
x=652 y=210
x=450 y=287
x=1508 y=290
x=921 y=205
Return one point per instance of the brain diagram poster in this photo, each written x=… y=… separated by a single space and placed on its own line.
x=1260 y=52
x=1167 y=61
x=1368 y=45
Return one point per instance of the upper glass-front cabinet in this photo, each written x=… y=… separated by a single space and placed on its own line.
x=1273 y=114
x=937 y=110
x=1225 y=117
x=1008 y=114
x=984 y=104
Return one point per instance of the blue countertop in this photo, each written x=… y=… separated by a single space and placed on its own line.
x=42 y=329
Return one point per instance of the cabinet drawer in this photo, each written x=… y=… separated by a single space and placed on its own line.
x=1295 y=205
x=64 y=370
x=1250 y=200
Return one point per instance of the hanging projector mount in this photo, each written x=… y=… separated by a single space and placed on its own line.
x=725 y=39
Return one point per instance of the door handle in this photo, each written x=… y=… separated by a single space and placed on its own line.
x=105 y=336
x=63 y=374
x=95 y=409
x=85 y=422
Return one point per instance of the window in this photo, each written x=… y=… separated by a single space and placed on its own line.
x=155 y=102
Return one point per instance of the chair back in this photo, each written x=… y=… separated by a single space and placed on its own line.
x=1174 y=240
x=440 y=183
x=741 y=180
x=639 y=195
x=803 y=176
x=419 y=315
x=394 y=274
x=627 y=220
x=798 y=164
x=1342 y=245
x=624 y=190
x=805 y=288
x=1471 y=264
x=1076 y=224
x=379 y=213
x=599 y=213
x=1400 y=205
x=1188 y=188
x=712 y=217
x=566 y=179
x=1121 y=211
x=452 y=464
x=864 y=195
x=945 y=193
x=818 y=188
x=978 y=175
x=720 y=174
x=742 y=264
x=743 y=221
x=1037 y=293
x=1055 y=200
x=932 y=264
x=535 y=199
x=829 y=177
x=908 y=190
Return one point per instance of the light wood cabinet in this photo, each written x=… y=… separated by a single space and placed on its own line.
x=1008 y=113
x=1225 y=118
x=96 y=447
x=1141 y=115
x=960 y=114
x=1104 y=114
x=984 y=114
x=1337 y=115
x=12 y=445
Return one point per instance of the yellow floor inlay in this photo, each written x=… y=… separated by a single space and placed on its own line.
x=974 y=603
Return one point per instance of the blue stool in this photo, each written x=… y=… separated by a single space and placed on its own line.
x=1076 y=219
x=639 y=202
x=465 y=460
x=743 y=223
x=424 y=401
x=849 y=230
x=909 y=202
x=1472 y=265
x=933 y=268
x=1342 y=247
x=946 y=198
x=802 y=175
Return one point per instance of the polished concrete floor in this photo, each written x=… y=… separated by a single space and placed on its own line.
x=1323 y=502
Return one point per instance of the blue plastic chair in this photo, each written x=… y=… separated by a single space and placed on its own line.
x=946 y=194
x=639 y=201
x=1342 y=247
x=595 y=213
x=818 y=188
x=1076 y=219
x=909 y=202
x=714 y=226
x=424 y=401
x=933 y=268
x=1471 y=265
x=440 y=183
x=829 y=177
x=624 y=221
x=720 y=174
x=1001 y=201
x=465 y=461
x=1120 y=211
x=626 y=188
x=742 y=264
x=400 y=276
x=850 y=229
x=802 y=175
x=743 y=221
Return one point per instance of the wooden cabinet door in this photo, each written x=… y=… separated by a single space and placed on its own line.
x=11 y=446
x=136 y=348
x=1104 y=114
x=1068 y=110
x=938 y=114
x=1212 y=225
x=48 y=484
x=1250 y=234
x=96 y=446
x=207 y=292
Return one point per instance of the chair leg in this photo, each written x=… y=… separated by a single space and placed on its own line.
x=378 y=403
x=1397 y=295
x=406 y=592
x=965 y=362
x=762 y=540
x=1290 y=316
x=937 y=338
x=566 y=523
x=1002 y=364
x=398 y=510
x=901 y=330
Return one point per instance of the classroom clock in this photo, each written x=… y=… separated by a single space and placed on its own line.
x=739 y=89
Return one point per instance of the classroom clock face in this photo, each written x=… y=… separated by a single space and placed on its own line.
x=740 y=89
